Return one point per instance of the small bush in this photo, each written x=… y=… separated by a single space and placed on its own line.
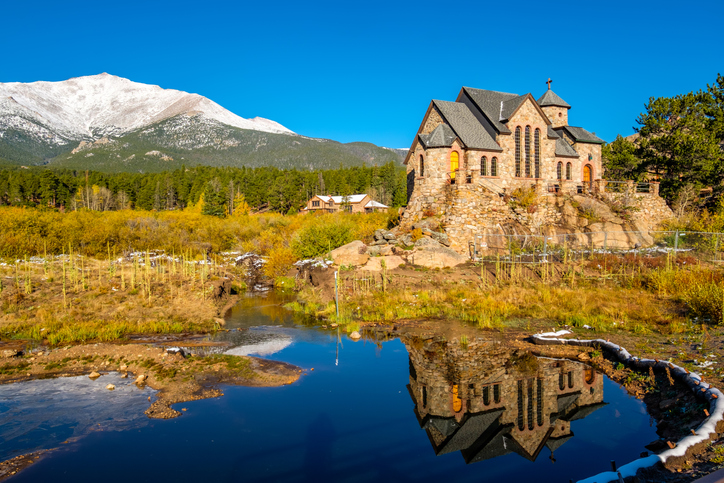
x=279 y=262
x=416 y=234
x=525 y=198
x=320 y=237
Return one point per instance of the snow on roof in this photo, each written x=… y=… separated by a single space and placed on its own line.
x=374 y=204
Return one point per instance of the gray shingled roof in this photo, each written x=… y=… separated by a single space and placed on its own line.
x=552 y=134
x=510 y=106
x=466 y=126
x=489 y=102
x=473 y=427
x=440 y=137
x=550 y=98
x=580 y=135
x=555 y=443
x=565 y=149
x=585 y=411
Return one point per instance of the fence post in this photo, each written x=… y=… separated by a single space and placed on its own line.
x=510 y=248
x=545 y=248
x=716 y=247
x=605 y=240
x=336 y=295
x=676 y=242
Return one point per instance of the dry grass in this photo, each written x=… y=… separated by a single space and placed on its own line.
x=88 y=299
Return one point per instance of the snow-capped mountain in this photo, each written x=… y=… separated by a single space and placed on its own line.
x=86 y=108
x=108 y=123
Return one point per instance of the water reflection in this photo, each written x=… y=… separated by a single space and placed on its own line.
x=485 y=400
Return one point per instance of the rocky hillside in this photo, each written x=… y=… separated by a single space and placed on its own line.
x=108 y=123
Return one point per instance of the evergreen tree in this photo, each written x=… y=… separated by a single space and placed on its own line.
x=214 y=199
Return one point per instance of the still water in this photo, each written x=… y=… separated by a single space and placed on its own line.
x=398 y=410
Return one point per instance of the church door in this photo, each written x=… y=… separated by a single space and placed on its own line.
x=454 y=164
x=588 y=175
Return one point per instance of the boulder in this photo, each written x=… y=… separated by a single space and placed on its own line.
x=407 y=240
x=8 y=353
x=141 y=379
x=350 y=254
x=386 y=250
x=428 y=223
x=374 y=250
x=354 y=335
x=426 y=242
x=124 y=375
x=389 y=236
x=123 y=368
x=94 y=375
x=437 y=257
x=380 y=234
x=110 y=387
x=441 y=238
x=391 y=261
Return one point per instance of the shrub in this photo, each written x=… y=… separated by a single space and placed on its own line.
x=325 y=234
x=279 y=262
x=705 y=300
x=525 y=198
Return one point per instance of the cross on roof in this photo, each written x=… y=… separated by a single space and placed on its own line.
x=549 y=83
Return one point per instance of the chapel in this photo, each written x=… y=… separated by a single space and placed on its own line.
x=506 y=140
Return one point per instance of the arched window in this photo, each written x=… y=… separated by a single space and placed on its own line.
x=483 y=166
x=422 y=166
x=527 y=151
x=494 y=167
x=569 y=169
x=517 y=152
x=559 y=171
x=536 y=141
x=454 y=164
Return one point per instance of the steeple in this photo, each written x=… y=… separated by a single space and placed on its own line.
x=555 y=108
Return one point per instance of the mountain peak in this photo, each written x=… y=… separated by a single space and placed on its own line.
x=89 y=107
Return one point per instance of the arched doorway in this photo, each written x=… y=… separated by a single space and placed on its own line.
x=588 y=175
x=454 y=164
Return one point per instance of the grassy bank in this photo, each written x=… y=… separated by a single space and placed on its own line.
x=608 y=293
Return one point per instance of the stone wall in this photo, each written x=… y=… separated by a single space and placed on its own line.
x=557 y=115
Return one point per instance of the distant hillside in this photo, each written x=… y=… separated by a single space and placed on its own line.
x=196 y=140
x=112 y=124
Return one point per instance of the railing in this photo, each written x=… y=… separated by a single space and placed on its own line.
x=629 y=186
x=707 y=246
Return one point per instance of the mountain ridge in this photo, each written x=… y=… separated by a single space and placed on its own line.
x=60 y=123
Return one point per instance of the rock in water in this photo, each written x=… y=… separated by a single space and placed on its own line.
x=354 y=335
x=124 y=375
x=141 y=379
x=94 y=375
x=110 y=387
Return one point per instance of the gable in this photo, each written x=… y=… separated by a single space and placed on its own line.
x=431 y=120
x=527 y=112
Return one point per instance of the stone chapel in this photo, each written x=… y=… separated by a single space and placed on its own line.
x=509 y=139
x=469 y=157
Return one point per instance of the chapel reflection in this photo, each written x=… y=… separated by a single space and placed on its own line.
x=485 y=400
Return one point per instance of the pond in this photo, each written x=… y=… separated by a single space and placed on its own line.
x=413 y=409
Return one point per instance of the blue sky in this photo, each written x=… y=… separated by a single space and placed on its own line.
x=366 y=71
